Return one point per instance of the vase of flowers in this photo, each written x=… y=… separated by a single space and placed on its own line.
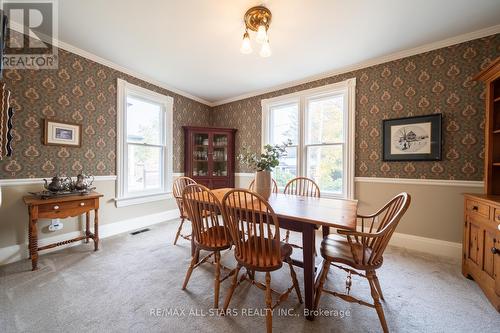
x=263 y=164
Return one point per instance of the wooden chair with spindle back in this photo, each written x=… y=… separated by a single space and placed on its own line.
x=275 y=186
x=209 y=231
x=301 y=186
x=255 y=232
x=363 y=251
x=177 y=189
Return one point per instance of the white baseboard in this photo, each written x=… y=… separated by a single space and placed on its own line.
x=428 y=245
x=432 y=246
x=20 y=251
x=108 y=230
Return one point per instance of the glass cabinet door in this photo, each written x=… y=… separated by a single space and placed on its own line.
x=200 y=154
x=219 y=154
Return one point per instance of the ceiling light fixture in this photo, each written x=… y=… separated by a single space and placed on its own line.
x=257 y=19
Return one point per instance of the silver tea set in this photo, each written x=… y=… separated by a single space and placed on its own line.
x=82 y=184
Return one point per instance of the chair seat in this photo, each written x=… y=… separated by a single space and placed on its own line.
x=335 y=248
x=270 y=262
x=215 y=238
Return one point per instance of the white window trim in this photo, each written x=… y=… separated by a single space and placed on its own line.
x=349 y=87
x=122 y=199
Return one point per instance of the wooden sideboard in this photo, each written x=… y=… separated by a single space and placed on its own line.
x=61 y=207
x=481 y=244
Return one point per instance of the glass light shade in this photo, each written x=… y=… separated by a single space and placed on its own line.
x=246 y=47
x=265 y=51
x=261 y=34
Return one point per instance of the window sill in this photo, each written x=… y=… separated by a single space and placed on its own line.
x=137 y=200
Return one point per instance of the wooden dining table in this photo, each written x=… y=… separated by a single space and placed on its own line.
x=306 y=215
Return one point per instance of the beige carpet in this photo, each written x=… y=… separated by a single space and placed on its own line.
x=134 y=284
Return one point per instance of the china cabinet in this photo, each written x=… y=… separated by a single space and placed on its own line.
x=481 y=244
x=209 y=155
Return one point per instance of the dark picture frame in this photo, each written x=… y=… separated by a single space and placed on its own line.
x=59 y=133
x=417 y=138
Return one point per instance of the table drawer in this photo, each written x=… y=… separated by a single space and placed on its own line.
x=496 y=215
x=476 y=207
x=64 y=209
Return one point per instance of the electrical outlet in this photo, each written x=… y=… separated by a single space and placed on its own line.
x=56 y=224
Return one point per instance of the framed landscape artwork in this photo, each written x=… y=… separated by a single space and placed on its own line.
x=62 y=134
x=413 y=138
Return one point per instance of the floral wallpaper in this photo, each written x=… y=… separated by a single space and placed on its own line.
x=439 y=81
x=84 y=92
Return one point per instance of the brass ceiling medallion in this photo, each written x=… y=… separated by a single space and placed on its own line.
x=257 y=16
x=257 y=19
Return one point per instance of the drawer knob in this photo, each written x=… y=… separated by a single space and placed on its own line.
x=82 y=204
x=56 y=207
x=475 y=208
x=494 y=250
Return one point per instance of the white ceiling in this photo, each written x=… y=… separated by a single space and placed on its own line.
x=193 y=45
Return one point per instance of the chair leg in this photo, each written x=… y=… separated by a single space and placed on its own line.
x=179 y=231
x=233 y=287
x=217 y=279
x=194 y=261
x=287 y=236
x=269 y=300
x=376 y=301
x=377 y=285
x=319 y=289
x=294 y=279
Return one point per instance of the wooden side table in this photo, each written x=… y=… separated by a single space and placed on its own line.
x=61 y=207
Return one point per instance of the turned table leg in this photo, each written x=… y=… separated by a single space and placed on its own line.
x=87 y=227
x=33 y=243
x=96 y=230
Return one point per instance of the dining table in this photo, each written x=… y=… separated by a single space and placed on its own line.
x=306 y=215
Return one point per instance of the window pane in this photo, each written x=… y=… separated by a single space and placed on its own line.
x=284 y=123
x=325 y=121
x=144 y=168
x=143 y=121
x=287 y=168
x=325 y=167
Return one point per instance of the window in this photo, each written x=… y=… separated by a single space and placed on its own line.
x=320 y=123
x=144 y=145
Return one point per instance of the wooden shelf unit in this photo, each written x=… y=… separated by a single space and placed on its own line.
x=209 y=155
x=481 y=242
x=491 y=77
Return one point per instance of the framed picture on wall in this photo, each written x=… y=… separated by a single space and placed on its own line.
x=59 y=133
x=413 y=138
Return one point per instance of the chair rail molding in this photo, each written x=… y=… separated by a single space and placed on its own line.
x=28 y=181
x=410 y=181
x=420 y=181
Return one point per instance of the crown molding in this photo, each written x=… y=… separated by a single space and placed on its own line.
x=368 y=63
x=108 y=63
x=73 y=49
x=372 y=62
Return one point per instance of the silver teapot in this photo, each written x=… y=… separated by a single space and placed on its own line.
x=83 y=182
x=57 y=184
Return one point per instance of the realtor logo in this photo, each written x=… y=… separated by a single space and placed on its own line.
x=31 y=37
